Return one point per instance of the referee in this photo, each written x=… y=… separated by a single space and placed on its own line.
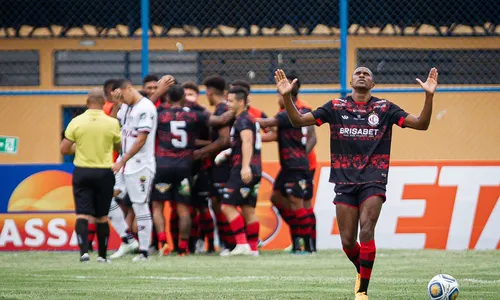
x=92 y=137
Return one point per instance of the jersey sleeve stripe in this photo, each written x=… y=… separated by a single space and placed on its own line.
x=401 y=122
x=319 y=122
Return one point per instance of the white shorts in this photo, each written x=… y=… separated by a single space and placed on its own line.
x=120 y=185
x=138 y=185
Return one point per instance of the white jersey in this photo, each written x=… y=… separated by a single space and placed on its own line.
x=141 y=117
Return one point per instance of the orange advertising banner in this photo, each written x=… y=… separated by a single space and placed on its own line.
x=438 y=205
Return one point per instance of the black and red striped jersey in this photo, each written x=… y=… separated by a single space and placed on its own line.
x=245 y=121
x=292 y=143
x=177 y=132
x=360 y=138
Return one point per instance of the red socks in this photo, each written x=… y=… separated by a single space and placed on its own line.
x=353 y=255
x=92 y=230
x=207 y=225
x=253 y=235
x=366 y=259
x=312 y=222
x=237 y=226
x=162 y=238
x=302 y=221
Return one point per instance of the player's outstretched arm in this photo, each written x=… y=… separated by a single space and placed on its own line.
x=222 y=120
x=211 y=148
x=267 y=122
x=284 y=88
x=424 y=119
x=270 y=136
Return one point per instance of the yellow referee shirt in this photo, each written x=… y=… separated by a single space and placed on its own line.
x=95 y=135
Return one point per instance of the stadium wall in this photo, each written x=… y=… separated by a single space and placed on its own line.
x=464 y=127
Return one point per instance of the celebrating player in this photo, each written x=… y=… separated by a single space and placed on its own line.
x=361 y=130
x=215 y=86
x=243 y=184
x=311 y=155
x=177 y=132
x=291 y=182
x=139 y=121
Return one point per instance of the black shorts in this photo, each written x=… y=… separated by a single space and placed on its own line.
x=202 y=186
x=355 y=194
x=237 y=193
x=309 y=185
x=172 y=183
x=93 y=191
x=291 y=183
x=220 y=176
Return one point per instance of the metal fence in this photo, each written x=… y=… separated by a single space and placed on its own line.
x=424 y=20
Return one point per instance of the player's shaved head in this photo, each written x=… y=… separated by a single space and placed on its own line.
x=95 y=96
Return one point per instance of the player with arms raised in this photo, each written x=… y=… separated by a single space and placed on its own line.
x=360 y=143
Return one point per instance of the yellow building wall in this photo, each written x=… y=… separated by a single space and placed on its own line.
x=464 y=126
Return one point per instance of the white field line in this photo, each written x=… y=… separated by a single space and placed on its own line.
x=229 y=279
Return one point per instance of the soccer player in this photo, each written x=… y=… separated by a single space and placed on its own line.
x=137 y=163
x=252 y=110
x=92 y=136
x=246 y=168
x=108 y=88
x=215 y=86
x=198 y=167
x=361 y=130
x=311 y=140
x=191 y=92
x=291 y=182
x=177 y=132
x=149 y=86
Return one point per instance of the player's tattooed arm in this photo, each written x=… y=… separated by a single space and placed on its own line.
x=423 y=121
x=311 y=139
x=284 y=88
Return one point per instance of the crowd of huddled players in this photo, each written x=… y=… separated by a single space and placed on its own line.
x=206 y=165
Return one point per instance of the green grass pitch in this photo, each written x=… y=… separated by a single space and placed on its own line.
x=273 y=275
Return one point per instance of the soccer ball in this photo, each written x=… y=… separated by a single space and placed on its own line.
x=443 y=287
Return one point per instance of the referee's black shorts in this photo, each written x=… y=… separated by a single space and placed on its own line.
x=93 y=191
